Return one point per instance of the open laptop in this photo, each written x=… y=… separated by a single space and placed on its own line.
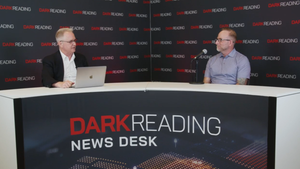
x=93 y=76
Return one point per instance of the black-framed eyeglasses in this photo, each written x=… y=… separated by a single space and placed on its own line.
x=220 y=40
x=71 y=41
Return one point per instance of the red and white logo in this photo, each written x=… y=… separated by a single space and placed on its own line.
x=215 y=10
x=162 y=14
x=177 y=56
x=52 y=10
x=84 y=12
x=20 y=79
x=138 y=15
x=162 y=42
x=102 y=28
x=171 y=0
x=247 y=7
x=27 y=61
x=175 y=28
x=248 y=41
x=112 y=14
x=8 y=62
x=186 y=70
x=49 y=44
x=103 y=58
x=163 y=69
x=281 y=76
x=267 y=23
x=288 y=40
x=268 y=58
x=16 y=8
x=129 y=57
x=38 y=27
x=202 y=27
x=129 y=1
x=191 y=12
x=86 y=43
x=152 y=56
x=139 y=70
x=209 y=42
x=129 y=29
x=7 y=26
x=17 y=44
x=138 y=43
x=152 y=29
x=187 y=42
x=202 y=56
x=122 y=71
x=113 y=43
x=284 y=4
x=233 y=25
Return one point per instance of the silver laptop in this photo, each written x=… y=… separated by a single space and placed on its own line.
x=93 y=76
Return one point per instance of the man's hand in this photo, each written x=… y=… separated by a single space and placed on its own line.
x=65 y=84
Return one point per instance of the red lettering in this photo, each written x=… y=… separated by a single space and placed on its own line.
x=207 y=10
x=90 y=125
x=169 y=28
x=8 y=44
x=72 y=127
x=194 y=27
x=95 y=28
x=157 y=69
x=156 y=15
x=122 y=29
x=107 y=43
x=273 y=41
x=207 y=42
x=146 y=2
x=10 y=79
x=258 y=24
x=123 y=57
x=180 y=70
x=132 y=43
x=106 y=13
x=147 y=56
x=77 y=12
x=294 y=58
x=5 y=7
x=107 y=124
x=46 y=44
x=256 y=57
x=180 y=42
x=28 y=26
x=180 y=13
x=146 y=29
x=96 y=58
x=133 y=70
x=238 y=8
x=132 y=15
x=156 y=42
x=224 y=25
x=30 y=61
x=109 y=72
x=79 y=44
x=169 y=56
x=44 y=10
x=274 y=5
x=121 y=123
x=295 y=22
x=238 y=41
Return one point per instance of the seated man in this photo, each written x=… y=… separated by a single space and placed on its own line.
x=229 y=66
x=59 y=68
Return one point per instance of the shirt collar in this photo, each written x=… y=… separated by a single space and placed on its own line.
x=63 y=56
x=231 y=54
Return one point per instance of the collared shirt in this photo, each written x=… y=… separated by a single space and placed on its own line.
x=226 y=70
x=69 y=68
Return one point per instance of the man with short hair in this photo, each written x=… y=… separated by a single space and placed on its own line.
x=59 y=69
x=229 y=66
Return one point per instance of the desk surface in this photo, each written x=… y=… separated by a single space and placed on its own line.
x=154 y=86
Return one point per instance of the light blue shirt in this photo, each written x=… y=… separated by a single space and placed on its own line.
x=226 y=70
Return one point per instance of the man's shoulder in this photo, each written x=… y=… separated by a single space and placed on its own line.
x=78 y=54
x=51 y=56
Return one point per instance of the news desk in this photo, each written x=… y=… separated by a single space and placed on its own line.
x=147 y=125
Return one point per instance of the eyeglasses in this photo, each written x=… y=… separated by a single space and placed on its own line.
x=71 y=41
x=220 y=40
